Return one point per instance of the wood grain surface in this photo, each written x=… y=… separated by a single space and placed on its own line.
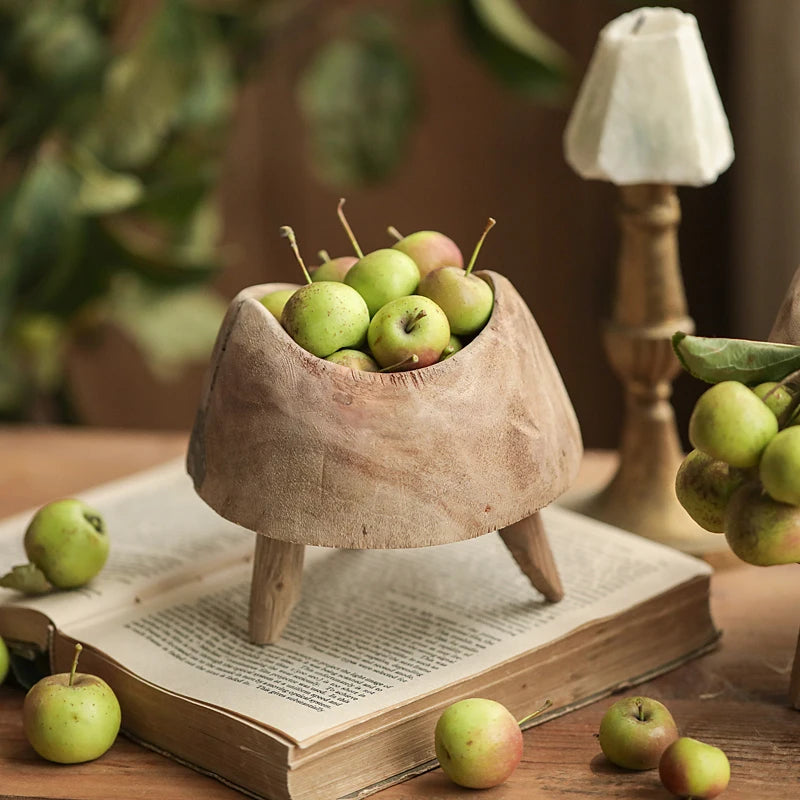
x=735 y=697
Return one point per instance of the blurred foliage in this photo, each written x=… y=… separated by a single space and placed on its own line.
x=113 y=122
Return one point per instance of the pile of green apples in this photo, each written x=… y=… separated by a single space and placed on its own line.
x=743 y=477
x=393 y=309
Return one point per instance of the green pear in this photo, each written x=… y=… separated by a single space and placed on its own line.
x=779 y=468
x=478 y=743
x=760 y=530
x=275 y=301
x=354 y=359
x=405 y=327
x=730 y=423
x=690 y=768
x=71 y=717
x=635 y=731
x=68 y=542
x=704 y=486
x=466 y=299
x=428 y=249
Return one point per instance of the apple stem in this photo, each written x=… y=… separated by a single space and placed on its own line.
x=78 y=648
x=640 y=709
x=348 y=230
x=412 y=323
x=547 y=703
x=412 y=359
x=288 y=233
x=489 y=226
x=323 y=256
x=394 y=232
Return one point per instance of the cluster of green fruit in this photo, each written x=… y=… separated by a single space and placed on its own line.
x=640 y=733
x=397 y=308
x=743 y=477
x=70 y=717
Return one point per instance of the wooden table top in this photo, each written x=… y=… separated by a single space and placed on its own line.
x=735 y=697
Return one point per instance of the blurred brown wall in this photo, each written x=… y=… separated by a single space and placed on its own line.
x=480 y=151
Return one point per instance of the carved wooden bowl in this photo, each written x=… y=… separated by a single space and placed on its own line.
x=307 y=452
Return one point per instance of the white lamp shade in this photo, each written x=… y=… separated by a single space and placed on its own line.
x=648 y=110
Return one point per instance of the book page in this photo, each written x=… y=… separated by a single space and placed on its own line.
x=160 y=533
x=374 y=629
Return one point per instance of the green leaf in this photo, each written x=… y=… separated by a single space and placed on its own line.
x=101 y=190
x=718 y=359
x=26 y=578
x=171 y=328
x=358 y=100
x=514 y=49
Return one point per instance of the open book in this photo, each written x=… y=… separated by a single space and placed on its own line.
x=378 y=645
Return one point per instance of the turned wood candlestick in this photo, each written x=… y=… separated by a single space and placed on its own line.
x=306 y=452
x=649 y=307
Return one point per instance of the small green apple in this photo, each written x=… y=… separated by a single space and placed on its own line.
x=466 y=299
x=730 y=423
x=67 y=540
x=478 y=743
x=453 y=346
x=381 y=276
x=326 y=316
x=779 y=468
x=428 y=249
x=354 y=359
x=760 y=530
x=635 y=731
x=332 y=269
x=690 y=768
x=275 y=301
x=777 y=397
x=71 y=717
x=408 y=326
x=704 y=486
x=5 y=661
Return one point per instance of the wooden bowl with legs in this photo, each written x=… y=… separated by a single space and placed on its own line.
x=306 y=452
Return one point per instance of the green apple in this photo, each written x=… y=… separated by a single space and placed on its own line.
x=775 y=395
x=635 y=731
x=381 y=276
x=690 y=768
x=68 y=542
x=466 y=299
x=354 y=359
x=730 y=423
x=275 y=301
x=478 y=743
x=408 y=326
x=71 y=717
x=326 y=316
x=428 y=249
x=760 y=530
x=332 y=269
x=453 y=346
x=704 y=486
x=5 y=661
x=779 y=468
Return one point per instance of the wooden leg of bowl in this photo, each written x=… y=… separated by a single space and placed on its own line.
x=527 y=541
x=277 y=576
x=794 y=686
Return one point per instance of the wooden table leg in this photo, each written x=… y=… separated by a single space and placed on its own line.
x=275 y=587
x=527 y=541
x=794 y=686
